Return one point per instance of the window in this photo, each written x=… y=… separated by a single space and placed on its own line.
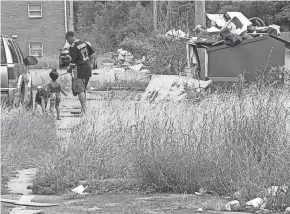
x=12 y=43
x=13 y=52
x=36 y=49
x=34 y=10
x=19 y=52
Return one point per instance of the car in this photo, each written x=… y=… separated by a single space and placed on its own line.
x=64 y=58
x=16 y=81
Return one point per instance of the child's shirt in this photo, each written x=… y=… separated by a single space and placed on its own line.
x=54 y=87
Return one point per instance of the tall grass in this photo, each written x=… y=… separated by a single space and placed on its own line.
x=224 y=143
x=24 y=138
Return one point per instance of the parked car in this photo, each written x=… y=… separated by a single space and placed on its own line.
x=64 y=58
x=16 y=81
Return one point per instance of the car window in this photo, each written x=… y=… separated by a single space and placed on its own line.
x=3 y=55
x=20 y=57
x=13 y=52
x=21 y=54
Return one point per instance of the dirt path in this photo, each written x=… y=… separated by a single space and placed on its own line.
x=22 y=179
x=125 y=203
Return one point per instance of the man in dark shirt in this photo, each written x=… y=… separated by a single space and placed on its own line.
x=80 y=53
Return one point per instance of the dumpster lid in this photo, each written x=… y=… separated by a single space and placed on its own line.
x=201 y=44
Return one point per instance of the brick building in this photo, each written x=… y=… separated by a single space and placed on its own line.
x=39 y=27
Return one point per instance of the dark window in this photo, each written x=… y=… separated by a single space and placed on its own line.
x=3 y=54
x=20 y=55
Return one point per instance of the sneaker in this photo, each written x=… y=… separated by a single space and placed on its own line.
x=58 y=118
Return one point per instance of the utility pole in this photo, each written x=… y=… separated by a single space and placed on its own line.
x=155 y=15
x=200 y=19
x=71 y=15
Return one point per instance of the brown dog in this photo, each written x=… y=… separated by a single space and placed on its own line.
x=41 y=98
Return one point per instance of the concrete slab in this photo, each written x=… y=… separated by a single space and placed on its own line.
x=24 y=177
x=14 y=211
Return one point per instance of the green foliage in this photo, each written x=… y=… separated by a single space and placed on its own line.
x=107 y=23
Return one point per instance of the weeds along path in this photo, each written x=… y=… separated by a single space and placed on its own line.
x=23 y=178
x=70 y=107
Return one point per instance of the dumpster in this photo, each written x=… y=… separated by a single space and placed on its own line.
x=225 y=63
x=209 y=58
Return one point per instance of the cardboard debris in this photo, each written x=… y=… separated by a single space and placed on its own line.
x=23 y=211
x=171 y=87
x=80 y=190
x=175 y=33
x=232 y=206
x=256 y=203
x=26 y=199
x=94 y=208
x=31 y=204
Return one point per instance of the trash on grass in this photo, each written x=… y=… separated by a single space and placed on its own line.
x=232 y=206
x=256 y=203
x=80 y=190
x=175 y=33
x=274 y=191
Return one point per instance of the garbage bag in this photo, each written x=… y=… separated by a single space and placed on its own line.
x=233 y=39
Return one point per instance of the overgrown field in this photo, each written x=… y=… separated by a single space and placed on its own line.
x=224 y=143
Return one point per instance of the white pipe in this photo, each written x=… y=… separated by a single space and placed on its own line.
x=65 y=18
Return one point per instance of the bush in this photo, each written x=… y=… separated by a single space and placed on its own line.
x=164 y=55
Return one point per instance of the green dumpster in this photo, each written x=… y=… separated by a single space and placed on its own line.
x=225 y=63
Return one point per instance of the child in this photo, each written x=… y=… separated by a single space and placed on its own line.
x=41 y=98
x=54 y=89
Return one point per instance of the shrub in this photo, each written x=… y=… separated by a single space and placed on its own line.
x=164 y=55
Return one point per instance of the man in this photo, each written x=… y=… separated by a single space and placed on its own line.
x=80 y=53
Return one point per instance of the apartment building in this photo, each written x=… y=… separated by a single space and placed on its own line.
x=38 y=27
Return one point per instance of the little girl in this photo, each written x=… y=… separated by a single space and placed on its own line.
x=54 y=89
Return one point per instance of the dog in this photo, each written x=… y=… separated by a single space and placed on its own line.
x=41 y=98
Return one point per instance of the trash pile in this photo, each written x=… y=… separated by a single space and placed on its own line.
x=172 y=87
x=231 y=29
x=125 y=59
x=257 y=205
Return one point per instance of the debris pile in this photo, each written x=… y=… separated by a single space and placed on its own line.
x=171 y=87
x=262 y=204
x=125 y=59
x=232 y=28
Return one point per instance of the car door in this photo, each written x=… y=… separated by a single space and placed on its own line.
x=5 y=59
x=16 y=60
x=24 y=73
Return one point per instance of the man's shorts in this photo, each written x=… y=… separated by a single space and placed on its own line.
x=80 y=85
